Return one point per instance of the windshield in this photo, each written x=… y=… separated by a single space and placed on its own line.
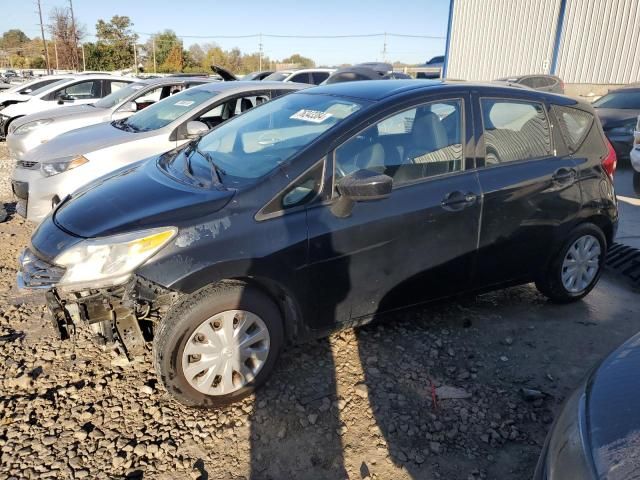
x=34 y=85
x=166 y=111
x=119 y=95
x=277 y=76
x=254 y=143
x=622 y=100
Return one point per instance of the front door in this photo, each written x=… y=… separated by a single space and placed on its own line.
x=419 y=243
x=529 y=190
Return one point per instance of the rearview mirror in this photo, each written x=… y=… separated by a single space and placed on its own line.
x=129 y=107
x=196 y=128
x=361 y=186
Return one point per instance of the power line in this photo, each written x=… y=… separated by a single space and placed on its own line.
x=273 y=35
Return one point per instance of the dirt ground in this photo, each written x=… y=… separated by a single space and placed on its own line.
x=357 y=405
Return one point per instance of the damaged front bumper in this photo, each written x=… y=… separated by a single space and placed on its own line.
x=123 y=316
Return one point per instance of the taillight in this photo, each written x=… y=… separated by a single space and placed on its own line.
x=610 y=161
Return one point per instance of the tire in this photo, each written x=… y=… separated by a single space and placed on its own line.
x=551 y=283
x=200 y=312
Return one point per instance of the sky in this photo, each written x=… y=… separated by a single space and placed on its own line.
x=211 y=18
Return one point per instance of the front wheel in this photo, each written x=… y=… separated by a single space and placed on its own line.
x=577 y=266
x=218 y=345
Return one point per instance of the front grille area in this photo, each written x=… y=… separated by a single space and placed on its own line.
x=27 y=164
x=36 y=273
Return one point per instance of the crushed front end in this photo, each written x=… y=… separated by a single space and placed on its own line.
x=121 y=317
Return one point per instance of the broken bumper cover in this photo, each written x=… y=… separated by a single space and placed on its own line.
x=123 y=315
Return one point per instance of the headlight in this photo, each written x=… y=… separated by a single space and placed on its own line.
x=62 y=165
x=625 y=129
x=566 y=454
x=28 y=127
x=109 y=261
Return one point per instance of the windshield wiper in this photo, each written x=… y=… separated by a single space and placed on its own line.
x=216 y=171
x=123 y=125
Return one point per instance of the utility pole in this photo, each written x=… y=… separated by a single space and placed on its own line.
x=384 y=48
x=135 y=58
x=55 y=48
x=84 y=66
x=44 y=42
x=75 y=37
x=260 y=49
x=153 y=47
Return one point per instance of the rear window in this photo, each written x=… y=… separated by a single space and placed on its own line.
x=514 y=130
x=624 y=100
x=574 y=125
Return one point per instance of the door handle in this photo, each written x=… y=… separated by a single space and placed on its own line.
x=458 y=200
x=564 y=175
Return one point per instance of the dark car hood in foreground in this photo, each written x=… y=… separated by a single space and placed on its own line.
x=613 y=117
x=613 y=413
x=134 y=198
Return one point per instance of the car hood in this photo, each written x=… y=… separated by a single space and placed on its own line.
x=84 y=140
x=613 y=417
x=14 y=97
x=133 y=198
x=58 y=114
x=613 y=117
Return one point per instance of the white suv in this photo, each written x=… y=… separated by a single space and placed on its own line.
x=76 y=90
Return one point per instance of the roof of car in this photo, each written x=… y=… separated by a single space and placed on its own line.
x=175 y=80
x=248 y=85
x=376 y=90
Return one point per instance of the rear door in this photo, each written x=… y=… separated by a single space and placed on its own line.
x=419 y=243
x=529 y=186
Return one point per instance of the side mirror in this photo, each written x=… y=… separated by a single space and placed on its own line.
x=129 y=107
x=196 y=128
x=361 y=186
x=63 y=97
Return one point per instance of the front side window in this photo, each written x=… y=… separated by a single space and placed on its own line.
x=82 y=90
x=417 y=143
x=163 y=113
x=300 y=78
x=319 y=77
x=250 y=145
x=119 y=95
x=514 y=130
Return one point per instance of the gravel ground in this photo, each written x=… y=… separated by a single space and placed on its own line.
x=374 y=402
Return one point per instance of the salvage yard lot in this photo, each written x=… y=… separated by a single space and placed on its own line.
x=358 y=404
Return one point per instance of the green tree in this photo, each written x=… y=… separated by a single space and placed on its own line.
x=115 y=43
x=173 y=61
x=299 y=60
x=13 y=39
x=164 y=43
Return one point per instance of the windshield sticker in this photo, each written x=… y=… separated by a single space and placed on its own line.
x=184 y=103
x=313 y=116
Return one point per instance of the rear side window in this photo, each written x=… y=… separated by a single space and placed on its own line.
x=319 y=77
x=574 y=125
x=514 y=130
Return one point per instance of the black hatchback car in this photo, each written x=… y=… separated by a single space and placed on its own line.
x=318 y=210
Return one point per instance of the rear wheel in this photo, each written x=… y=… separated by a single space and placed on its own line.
x=218 y=345
x=577 y=266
